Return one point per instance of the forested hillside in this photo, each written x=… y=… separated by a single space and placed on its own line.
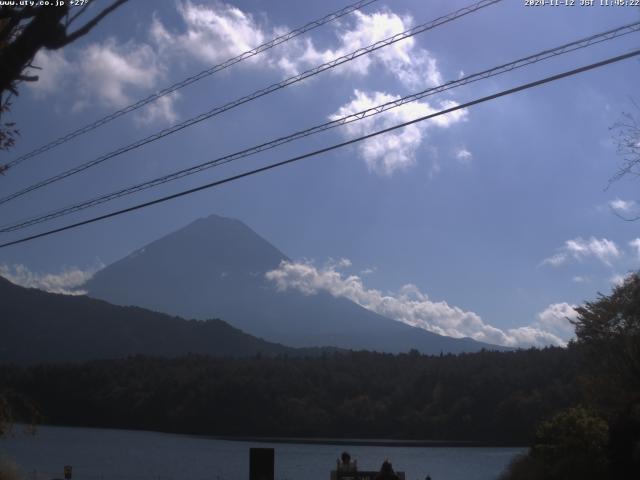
x=486 y=396
x=38 y=327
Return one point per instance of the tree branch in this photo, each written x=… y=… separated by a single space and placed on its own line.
x=86 y=28
x=81 y=10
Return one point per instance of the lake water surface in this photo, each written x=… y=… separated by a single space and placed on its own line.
x=98 y=454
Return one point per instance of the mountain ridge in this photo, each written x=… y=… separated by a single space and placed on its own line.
x=215 y=267
x=42 y=327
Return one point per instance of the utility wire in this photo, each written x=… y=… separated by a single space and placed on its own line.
x=522 y=62
x=257 y=94
x=195 y=78
x=503 y=93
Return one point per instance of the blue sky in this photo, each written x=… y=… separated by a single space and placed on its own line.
x=489 y=223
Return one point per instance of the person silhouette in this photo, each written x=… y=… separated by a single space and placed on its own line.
x=345 y=464
x=386 y=472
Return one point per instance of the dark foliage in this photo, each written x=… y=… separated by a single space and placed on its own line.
x=603 y=441
x=25 y=29
x=573 y=445
x=8 y=130
x=486 y=396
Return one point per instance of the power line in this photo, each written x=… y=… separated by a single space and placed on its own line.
x=192 y=79
x=503 y=93
x=257 y=94
x=522 y=62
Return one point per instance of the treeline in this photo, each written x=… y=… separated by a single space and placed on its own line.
x=495 y=397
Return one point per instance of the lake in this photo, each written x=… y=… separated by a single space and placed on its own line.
x=98 y=454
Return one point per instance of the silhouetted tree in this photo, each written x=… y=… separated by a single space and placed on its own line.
x=26 y=29
x=608 y=333
x=602 y=442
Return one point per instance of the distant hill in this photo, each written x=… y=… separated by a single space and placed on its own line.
x=36 y=326
x=215 y=267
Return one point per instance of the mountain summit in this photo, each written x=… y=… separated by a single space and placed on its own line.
x=215 y=268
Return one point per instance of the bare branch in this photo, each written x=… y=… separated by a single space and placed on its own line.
x=86 y=28
x=28 y=78
x=81 y=10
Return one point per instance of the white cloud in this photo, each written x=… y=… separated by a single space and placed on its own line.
x=162 y=110
x=635 y=244
x=463 y=155
x=65 y=282
x=409 y=305
x=556 y=260
x=52 y=68
x=113 y=74
x=217 y=31
x=532 y=336
x=578 y=249
x=213 y=33
x=413 y=66
x=581 y=279
x=622 y=206
x=556 y=317
x=395 y=150
x=110 y=72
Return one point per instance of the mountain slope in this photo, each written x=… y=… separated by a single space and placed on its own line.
x=215 y=267
x=36 y=326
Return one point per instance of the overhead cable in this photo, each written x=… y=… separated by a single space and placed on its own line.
x=253 y=96
x=216 y=183
x=192 y=79
x=501 y=69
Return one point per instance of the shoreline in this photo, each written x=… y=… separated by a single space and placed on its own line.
x=365 y=442
x=356 y=442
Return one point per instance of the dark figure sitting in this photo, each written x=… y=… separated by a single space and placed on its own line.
x=345 y=464
x=386 y=472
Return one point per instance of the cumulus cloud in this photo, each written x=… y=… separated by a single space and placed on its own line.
x=108 y=74
x=622 y=206
x=409 y=305
x=395 y=150
x=216 y=31
x=65 y=282
x=578 y=249
x=111 y=72
x=53 y=66
x=212 y=33
x=557 y=318
x=114 y=74
x=413 y=67
x=162 y=110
